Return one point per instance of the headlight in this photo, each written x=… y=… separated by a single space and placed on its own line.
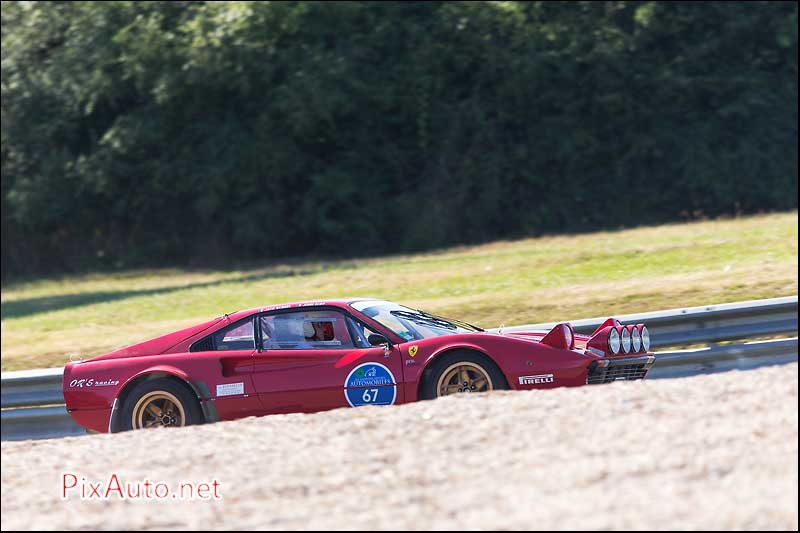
x=567 y=336
x=613 y=341
x=636 y=339
x=626 y=340
x=645 y=339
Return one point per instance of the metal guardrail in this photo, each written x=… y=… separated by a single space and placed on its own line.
x=39 y=423
x=714 y=359
x=33 y=406
x=32 y=400
x=704 y=324
x=30 y=388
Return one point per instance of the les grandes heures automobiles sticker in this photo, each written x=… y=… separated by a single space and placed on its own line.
x=370 y=384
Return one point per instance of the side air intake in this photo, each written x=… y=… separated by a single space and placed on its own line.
x=203 y=345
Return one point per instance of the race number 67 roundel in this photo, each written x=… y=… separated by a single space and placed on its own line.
x=370 y=384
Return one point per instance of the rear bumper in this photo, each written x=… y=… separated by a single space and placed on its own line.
x=619 y=369
x=94 y=419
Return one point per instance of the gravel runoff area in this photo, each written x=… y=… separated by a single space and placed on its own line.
x=707 y=452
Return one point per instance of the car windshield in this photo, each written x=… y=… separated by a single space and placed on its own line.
x=411 y=324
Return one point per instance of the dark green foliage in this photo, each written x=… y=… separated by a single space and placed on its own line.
x=147 y=133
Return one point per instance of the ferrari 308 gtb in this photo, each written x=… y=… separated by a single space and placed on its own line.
x=313 y=356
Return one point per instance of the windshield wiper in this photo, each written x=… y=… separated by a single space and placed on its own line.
x=425 y=319
x=452 y=321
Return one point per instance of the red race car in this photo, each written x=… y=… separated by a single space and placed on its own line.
x=313 y=356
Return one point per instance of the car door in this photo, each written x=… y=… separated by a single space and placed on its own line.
x=313 y=359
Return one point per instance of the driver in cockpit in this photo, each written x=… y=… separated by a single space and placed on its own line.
x=318 y=330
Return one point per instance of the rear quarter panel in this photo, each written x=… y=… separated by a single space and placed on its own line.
x=91 y=387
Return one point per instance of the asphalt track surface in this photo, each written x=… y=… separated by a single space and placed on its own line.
x=707 y=452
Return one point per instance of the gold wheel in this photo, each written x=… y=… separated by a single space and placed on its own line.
x=158 y=409
x=464 y=377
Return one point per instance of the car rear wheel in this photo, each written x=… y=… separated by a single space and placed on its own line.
x=459 y=373
x=159 y=403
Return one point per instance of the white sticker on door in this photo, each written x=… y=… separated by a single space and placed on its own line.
x=230 y=389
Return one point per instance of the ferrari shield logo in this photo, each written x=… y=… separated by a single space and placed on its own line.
x=412 y=351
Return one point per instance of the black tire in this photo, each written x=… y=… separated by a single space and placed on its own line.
x=189 y=408
x=431 y=376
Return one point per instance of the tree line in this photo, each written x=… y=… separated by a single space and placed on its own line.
x=158 y=133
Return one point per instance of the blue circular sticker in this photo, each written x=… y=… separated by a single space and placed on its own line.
x=370 y=384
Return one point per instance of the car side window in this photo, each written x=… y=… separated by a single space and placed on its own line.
x=360 y=333
x=305 y=330
x=238 y=336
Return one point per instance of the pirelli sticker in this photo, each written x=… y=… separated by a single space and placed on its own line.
x=536 y=380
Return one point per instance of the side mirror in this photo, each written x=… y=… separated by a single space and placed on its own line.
x=376 y=339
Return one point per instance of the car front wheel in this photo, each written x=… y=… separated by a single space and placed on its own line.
x=461 y=372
